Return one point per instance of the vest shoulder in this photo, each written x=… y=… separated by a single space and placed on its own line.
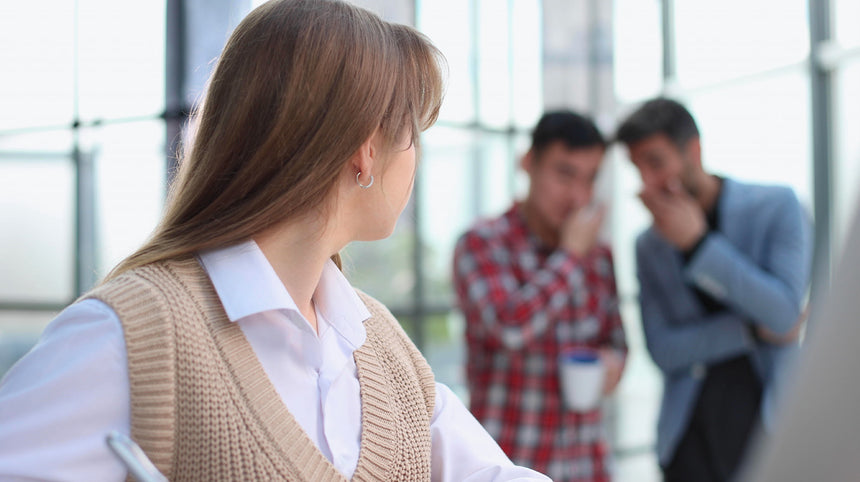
x=157 y=288
x=385 y=334
x=382 y=322
x=383 y=326
x=392 y=369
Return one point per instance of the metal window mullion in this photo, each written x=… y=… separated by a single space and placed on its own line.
x=84 y=189
x=477 y=148
x=821 y=99
x=85 y=222
x=670 y=64
x=175 y=59
x=594 y=84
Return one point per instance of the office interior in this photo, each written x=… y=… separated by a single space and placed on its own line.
x=95 y=94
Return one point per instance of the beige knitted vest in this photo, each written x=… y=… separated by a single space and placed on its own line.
x=202 y=407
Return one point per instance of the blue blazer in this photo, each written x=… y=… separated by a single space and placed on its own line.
x=758 y=265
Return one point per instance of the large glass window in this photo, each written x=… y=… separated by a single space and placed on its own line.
x=38 y=54
x=758 y=130
x=130 y=186
x=456 y=20
x=82 y=154
x=120 y=58
x=846 y=14
x=717 y=41
x=847 y=149
x=637 y=50
x=37 y=195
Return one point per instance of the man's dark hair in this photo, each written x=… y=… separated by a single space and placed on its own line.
x=574 y=130
x=659 y=116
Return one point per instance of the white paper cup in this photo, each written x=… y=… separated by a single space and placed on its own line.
x=581 y=376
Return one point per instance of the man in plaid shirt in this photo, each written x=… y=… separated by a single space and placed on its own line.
x=532 y=284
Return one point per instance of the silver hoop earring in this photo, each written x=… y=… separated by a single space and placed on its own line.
x=363 y=186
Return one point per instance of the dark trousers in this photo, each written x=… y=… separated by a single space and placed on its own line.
x=724 y=420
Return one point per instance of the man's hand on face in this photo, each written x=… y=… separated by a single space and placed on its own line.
x=677 y=216
x=580 y=230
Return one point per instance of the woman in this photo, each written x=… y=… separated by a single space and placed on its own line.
x=230 y=346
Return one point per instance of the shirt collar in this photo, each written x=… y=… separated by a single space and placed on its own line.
x=712 y=216
x=516 y=217
x=247 y=284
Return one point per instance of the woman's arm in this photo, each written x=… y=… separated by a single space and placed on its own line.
x=462 y=450
x=58 y=403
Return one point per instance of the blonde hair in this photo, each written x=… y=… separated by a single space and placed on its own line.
x=300 y=85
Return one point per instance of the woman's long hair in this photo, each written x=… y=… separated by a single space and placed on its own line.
x=300 y=85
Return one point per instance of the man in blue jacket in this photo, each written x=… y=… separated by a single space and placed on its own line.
x=723 y=273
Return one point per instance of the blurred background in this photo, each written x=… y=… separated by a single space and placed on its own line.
x=94 y=94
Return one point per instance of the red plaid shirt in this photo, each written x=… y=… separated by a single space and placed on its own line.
x=525 y=303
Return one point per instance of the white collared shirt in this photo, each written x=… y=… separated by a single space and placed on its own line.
x=58 y=403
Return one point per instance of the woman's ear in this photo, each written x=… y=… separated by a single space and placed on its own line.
x=365 y=156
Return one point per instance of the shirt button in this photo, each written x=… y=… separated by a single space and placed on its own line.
x=698 y=371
